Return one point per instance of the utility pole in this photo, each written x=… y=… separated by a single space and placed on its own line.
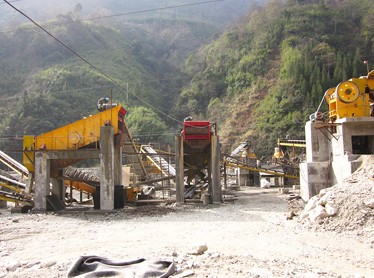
x=367 y=65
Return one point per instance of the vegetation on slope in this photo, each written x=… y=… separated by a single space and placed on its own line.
x=45 y=86
x=262 y=79
x=141 y=52
x=219 y=13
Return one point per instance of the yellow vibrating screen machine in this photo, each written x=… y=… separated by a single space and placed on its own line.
x=84 y=133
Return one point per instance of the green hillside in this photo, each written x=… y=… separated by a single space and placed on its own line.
x=35 y=63
x=259 y=80
x=44 y=85
x=217 y=12
x=263 y=78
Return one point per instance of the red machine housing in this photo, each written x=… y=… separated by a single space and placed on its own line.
x=197 y=144
x=200 y=130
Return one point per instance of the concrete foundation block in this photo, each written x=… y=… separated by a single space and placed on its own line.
x=314 y=176
x=342 y=169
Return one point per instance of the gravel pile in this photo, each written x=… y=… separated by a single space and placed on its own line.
x=345 y=207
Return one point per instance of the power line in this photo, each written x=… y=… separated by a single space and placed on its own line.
x=62 y=91
x=98 y=87
x=56 y=39
x=11 y=2
x=121 y=14
x=155 y=9
x=91 y=65
x=155 y=134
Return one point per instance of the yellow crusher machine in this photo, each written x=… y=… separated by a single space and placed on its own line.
x=351 y=98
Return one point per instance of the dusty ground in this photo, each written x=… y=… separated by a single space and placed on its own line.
x=248 y=238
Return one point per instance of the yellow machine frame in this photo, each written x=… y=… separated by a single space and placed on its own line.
x=80 y=133
x=73 y=136
x=350 y=98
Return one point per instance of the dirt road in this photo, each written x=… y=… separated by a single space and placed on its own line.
x=248 y=238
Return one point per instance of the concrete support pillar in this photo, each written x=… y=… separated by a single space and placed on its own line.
x=58 y=188
x=314 y=176
x=225 y=175
x=210 y=181
x=216 y=173
x=42 y=181
x=256 y=179
x=243 y=176
x=315 y=172
x=317 y=144
x=118 y=160
x=107 y=168
x=179 y=168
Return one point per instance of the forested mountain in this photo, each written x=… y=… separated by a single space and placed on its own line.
x=263 y=78
x=259 y=80
x=217 y=12
x=139 y=45
x=47 y=86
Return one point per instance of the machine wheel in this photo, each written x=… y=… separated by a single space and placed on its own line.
x=347 y=92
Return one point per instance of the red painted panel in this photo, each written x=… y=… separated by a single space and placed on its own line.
x=196 y=130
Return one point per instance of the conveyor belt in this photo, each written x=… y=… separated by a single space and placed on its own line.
x=132 y=152
x=161 y=164
x=80 y=176
x=15 y=197
x=236 y=154
x=81 y=186
x=292 y=143
x=80 y=180
x=12 y=163
x=239 y=149
x=13 y=191
x=262 y=170
x=9 y=181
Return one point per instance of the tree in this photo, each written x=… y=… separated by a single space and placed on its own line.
x=146 y=125
x=77 y=11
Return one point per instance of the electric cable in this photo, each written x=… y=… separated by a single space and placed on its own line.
x=62 y=91
x=99 y=70
x=11 y=2
x=118 y=15
x=90 y=64
x=155 y=134
x=155 y=9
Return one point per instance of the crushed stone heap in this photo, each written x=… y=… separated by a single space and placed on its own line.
x=347 y=206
